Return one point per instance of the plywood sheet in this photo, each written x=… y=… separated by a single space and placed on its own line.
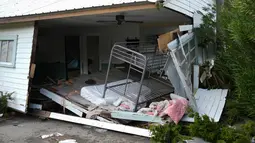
x=166 y=38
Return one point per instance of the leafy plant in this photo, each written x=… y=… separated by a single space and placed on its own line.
x=206 y=34
x=238 y=35
x=205 y=128
x=234 y=64
x=168 y=133
x=4 y=97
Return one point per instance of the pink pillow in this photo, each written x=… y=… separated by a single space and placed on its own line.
x=176 y=109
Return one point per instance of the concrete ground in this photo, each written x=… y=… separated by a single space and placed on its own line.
x=27 y=129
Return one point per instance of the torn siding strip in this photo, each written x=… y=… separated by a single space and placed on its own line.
x=104 y=125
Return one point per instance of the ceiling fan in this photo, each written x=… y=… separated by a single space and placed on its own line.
x=119 y=20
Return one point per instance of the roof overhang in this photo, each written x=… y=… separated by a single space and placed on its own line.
x=80 y=12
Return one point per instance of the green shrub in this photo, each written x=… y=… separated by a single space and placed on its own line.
x=235 y=62
x=168 y=133
x=4 y=97
x=238 y=55
x=205 y=128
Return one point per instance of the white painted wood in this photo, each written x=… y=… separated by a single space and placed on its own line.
x=187 y=7
x=109 y=126
x=15 y=79
x=210 y=102
x=14 y=75
x=186 y=27
x=195 y=77
x=183 y=4
x=63 y=102
x=216 y=102
x=221 y=105
x=17 y=107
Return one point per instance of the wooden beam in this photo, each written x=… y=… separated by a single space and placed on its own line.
x=64 y=102
x=76 y=109
x=104 y=125
x=80 y=12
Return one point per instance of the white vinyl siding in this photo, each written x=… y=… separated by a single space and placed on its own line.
x=187 y=7
x=16 y=79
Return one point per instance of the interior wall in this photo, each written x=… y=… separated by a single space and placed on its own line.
x=156 y=29
x=50 y=48
x=51 y=41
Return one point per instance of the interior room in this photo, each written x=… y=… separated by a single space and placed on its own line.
x=73 y=53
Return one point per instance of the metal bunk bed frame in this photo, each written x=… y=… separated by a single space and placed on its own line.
x=137 y=62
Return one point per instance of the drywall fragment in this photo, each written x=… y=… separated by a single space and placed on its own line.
x=68 y=141
x=51 y=135
x=136 y=117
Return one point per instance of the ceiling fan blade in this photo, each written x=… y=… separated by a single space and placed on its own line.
x=105 y=21
x=128 y=21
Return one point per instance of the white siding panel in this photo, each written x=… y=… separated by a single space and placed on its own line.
x=16 y=79
x=23 y=56
x=22 y=61
x=187 y=7
x=14 y=75
x=23 y=51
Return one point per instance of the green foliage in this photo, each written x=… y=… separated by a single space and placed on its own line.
x=206 y=33
x=237 y=58
x=159 y=4
x=168 y=133
x=235 y=62
x=249 y=128
x=4 y=97
x=205 y=128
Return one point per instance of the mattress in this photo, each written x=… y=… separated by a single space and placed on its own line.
x=94 y=94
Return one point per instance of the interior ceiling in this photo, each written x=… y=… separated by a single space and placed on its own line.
x=147 y=16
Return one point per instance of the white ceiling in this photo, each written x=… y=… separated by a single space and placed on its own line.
x=147 y=16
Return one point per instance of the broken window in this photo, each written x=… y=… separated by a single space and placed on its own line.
x=7 y=50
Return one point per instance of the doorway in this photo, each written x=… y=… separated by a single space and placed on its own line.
x=93 y=53
x=72 y=56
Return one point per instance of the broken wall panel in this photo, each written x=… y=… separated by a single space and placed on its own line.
x=15 y=79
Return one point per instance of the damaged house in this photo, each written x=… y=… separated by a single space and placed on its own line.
x=102 y=61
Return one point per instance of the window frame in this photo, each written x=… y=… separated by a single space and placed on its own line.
x=13 y=38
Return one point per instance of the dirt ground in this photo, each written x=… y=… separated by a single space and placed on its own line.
x=28 y=129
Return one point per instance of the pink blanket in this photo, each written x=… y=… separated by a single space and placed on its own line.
x=176 y=109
